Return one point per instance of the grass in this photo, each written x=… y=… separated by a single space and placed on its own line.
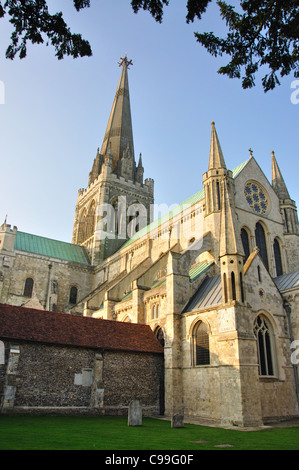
x=112 y=433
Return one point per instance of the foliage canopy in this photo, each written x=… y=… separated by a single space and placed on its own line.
x=260 y=33
x=32 y=22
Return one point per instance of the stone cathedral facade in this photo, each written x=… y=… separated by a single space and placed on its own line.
x=216 y=278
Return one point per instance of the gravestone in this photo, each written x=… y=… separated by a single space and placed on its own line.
x=135 y=413
x=177 y=421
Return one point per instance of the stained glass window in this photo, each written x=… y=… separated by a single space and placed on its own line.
x=256 y=197
x=260 y=239
x=264 y=336
x=201 y=348
x=277 y=257
x=245 y=243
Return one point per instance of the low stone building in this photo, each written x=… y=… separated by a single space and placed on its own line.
x=64 y=363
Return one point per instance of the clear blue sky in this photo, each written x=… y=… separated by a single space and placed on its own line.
x=55 y=113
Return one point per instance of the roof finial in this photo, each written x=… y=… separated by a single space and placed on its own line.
x=250 y=152
x=124 y=61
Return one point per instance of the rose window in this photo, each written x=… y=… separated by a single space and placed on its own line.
x=256 y=197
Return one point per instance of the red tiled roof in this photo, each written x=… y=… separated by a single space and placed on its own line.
x=19 y=323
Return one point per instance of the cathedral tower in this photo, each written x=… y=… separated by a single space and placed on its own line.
x=117 y=201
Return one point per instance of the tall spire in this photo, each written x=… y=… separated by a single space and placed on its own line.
x=216 y=156
x=119 y=133
x=278 y=183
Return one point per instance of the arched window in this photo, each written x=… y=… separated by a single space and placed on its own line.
x=28 y=288
x=233 y=283
x=54 y=287
x=201 y=348
x=225 y=288
x=277 y=257
x=157 y=311
x=90 y=221
x=73 y=295
x=153 y=311
x=160 y=336
x=242 y=287
x=265 y=345
x=218 y=196
x=260 y=239
x=114 y=218
x=259 y=275
x=82 y=227
x=245 y=243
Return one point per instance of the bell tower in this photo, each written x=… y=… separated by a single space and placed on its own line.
x=117 y=201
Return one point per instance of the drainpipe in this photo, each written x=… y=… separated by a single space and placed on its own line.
x=288 y=310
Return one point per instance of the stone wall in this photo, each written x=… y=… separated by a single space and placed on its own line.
x=39 y=378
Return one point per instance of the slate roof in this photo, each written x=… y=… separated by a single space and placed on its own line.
x=19 y=323
x=52 y=248
x=287 y=281
x=209 y=294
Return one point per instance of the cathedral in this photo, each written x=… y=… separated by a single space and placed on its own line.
x=215 y=280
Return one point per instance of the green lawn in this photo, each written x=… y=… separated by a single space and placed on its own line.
x=112 y=433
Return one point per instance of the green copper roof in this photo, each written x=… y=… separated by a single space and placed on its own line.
x=53 y=248
x=191 y=200
x=198 y=270
x=159 y=283
x=127 y=296
x=239 y=168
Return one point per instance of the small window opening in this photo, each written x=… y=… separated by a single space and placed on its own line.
x=73 y=295
x=28 y=289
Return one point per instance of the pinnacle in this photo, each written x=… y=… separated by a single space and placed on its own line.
x=278 y=183
x=216 y=160
x=140 y=161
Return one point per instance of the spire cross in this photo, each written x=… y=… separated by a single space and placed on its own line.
x=250 y=151
x=125 y=61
